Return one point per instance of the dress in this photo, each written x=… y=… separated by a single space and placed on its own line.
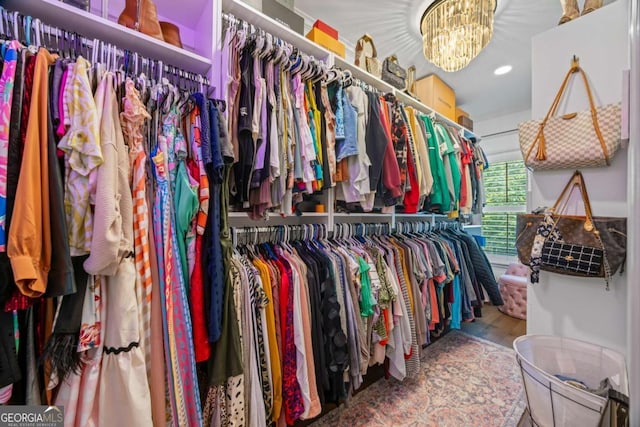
x=179 y=353
x=124 y=391
x=132 y=119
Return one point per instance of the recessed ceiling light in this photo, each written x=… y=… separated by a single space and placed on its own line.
x=502 y=70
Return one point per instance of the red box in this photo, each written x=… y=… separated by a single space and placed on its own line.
x=330 y=31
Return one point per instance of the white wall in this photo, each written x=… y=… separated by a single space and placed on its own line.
x=499 y=136
x=633 y=358
x=561 y=305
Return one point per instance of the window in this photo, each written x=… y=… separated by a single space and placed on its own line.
x=506 y=196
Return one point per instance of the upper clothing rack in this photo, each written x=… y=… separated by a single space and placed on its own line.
x=57 y=13
x=249 y=14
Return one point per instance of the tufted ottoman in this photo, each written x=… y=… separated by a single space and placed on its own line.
x=513 y=288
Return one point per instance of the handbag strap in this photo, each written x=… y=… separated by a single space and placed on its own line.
x=540 y=140
x=577 y=180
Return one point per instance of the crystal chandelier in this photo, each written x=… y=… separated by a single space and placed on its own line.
x=455 y=31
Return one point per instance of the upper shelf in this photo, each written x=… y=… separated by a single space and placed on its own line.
x=64 y=16
x=408 y=100
x=249 y=14
x=363 y=75
x=383 y=86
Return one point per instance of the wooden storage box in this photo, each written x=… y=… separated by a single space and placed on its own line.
x=463 y=119
x=326 y=41
x=466 y=122
x=461 y=112
x=436 y=94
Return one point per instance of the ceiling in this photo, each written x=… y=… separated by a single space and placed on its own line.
x=394 y=26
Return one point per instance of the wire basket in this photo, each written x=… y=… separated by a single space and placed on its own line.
x=552 y=402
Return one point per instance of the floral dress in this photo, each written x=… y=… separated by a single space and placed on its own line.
x=179 y=352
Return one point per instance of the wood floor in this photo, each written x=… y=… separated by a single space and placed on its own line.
x=496 y=327
x=501 y=329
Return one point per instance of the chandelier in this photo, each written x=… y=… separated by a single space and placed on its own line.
x=455 y=31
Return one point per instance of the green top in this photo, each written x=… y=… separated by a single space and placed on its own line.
x=367 y=301
x=450 y=151
x=439 y=197
x=186 y=205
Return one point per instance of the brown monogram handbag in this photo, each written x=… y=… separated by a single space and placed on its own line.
x=587 y=138
x=582 y=237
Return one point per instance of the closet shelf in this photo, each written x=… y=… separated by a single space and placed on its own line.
x=245 y=12
x=275 y=215
x=383 y=86
x=59 y=14
x=419 y=217
x=363 y=75
x=359 y=215
x=412 y=102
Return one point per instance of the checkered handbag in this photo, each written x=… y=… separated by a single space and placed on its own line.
x=587 y=246
x=588 y=138
x=578 y=260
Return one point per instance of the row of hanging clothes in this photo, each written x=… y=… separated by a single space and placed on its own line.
x=275 y=109
x=113 y=235
x=298 y=128
x=315 y=313
x=122 y=293
x=394 y=157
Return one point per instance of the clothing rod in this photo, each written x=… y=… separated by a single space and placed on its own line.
x=504 y=132
x=252 y=29
x=306 y=232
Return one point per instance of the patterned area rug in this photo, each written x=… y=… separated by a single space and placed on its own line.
x=464 y=382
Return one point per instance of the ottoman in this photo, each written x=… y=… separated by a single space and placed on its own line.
x=513 y=288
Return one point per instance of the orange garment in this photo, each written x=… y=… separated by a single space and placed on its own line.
x=435 y=313
x=342 y=171
x=274 y=353
x=405 y=275
x=29 y=242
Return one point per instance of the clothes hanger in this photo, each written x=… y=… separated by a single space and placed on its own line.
x=241 y=36
x=280 y=54
x=270 y=46
x=332 y=75
x=347 y=78
x=258 y=43
x=15 y=19
x=3 y=31
x=320 y=70
x=295 y=64
x=308 y=69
